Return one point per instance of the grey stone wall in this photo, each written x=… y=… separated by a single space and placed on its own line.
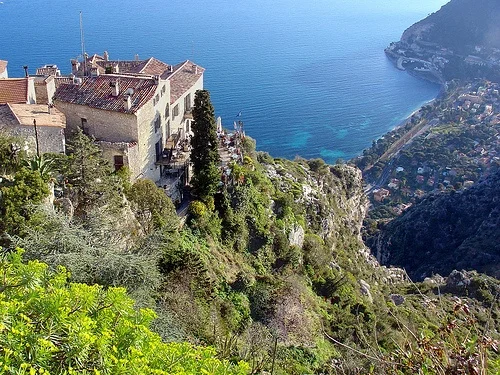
x=50 y=138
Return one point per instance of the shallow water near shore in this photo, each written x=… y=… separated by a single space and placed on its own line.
x=310 y=79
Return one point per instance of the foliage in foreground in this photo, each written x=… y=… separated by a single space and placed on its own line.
x=48 y=325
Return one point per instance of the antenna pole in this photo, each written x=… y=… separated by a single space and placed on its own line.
x=82 y=42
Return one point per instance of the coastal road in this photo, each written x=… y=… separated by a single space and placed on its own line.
x=394 y=150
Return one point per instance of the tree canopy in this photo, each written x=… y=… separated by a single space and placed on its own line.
x=88 y=174
x=152 y=208
x=204 y=153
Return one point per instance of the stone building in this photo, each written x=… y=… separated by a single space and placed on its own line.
x=34 y=123
x=132 y=108
x=45 y=79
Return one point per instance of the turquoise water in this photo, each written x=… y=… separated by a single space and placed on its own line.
x=310 y=78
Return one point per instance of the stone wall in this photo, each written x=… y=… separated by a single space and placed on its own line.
x=128 y=151
x=178 y=122
x=148 y=134
x=50 y=138
x=104 y=125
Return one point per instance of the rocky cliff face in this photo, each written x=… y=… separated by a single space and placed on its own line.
x=332 y=198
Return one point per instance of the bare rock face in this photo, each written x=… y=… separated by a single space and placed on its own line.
x=398 y=299
x=365 y=290
x=296 y=235
x=435 y=280
x=458 y=280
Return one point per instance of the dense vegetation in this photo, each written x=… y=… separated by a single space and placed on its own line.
x=51 y=326
x=270 y=271
x=458 y=230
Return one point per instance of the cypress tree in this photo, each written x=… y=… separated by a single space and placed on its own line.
x=204 y=153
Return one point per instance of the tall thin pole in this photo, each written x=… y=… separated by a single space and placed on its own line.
x=36 y=138
x=82 y=42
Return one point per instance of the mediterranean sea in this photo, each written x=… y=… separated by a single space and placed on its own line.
x=310 y=78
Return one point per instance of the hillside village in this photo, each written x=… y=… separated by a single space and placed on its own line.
x=449 y=144
x=138 y=112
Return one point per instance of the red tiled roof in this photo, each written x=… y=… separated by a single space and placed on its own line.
x=150 y=66
x=96 y=92
x=183 y=78
x=3 y=66
x=154 y=67
x=14 y=90
x=123 y=66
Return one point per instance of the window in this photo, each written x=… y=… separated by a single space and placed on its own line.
x=85 y=127
x=159 y=149
x=157 y=124
x=167 y=111
x=176 y=111
x=164 y=88
x=168 y=128
x=118 y=159
x=157 y=98
x=187 y=102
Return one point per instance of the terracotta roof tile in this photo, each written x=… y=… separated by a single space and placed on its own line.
x=3 y=66
x=14 y=90
x=154 y=67
x=183 y=78
x=123 y=66
x=97 y=92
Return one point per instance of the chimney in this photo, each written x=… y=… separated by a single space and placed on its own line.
x=136 y=57
x=171 y=68
x=195 y=69
x=26 y=71
x=156 y=79
x=116 y=69
x=74 y=66
x=127 y=102
x=106 y=56
x=115 y=86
